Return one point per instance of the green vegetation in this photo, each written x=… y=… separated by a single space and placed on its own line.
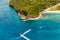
x=33 y=7
x=56 y=8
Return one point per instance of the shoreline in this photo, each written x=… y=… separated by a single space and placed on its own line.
x=41 y=16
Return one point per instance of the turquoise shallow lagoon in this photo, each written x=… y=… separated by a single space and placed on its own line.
x=11 y=26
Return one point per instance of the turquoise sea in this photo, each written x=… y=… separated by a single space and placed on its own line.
x=11 y=25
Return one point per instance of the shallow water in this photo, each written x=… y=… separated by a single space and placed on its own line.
x=11 y=26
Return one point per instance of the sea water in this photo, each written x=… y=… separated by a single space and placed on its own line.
x=11 y=26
